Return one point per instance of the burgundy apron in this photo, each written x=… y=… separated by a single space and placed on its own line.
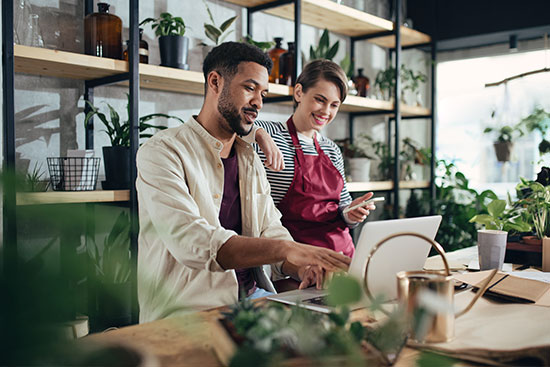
x=310 y=207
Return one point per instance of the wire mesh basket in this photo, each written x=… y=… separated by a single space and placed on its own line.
x=73 y=173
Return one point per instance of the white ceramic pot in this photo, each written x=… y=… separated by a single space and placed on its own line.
x=359 y=169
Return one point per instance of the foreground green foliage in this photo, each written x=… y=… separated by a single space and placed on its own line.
x=273 y=333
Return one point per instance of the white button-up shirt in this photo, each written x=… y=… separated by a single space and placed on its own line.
x=180 y=187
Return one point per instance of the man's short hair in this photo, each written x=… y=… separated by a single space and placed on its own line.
x=225 y=59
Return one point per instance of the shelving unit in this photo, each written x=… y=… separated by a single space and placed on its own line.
x=95 y=71
x=61 y=64
x=360 y=26
x=385 y=185
x=343 y=20
x=66 y=197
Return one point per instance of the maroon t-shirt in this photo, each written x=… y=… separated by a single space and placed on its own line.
x=230 y=215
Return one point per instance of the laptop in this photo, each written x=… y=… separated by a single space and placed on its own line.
x=401 y=253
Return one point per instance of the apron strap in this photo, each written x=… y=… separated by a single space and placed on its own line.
x=300 y=160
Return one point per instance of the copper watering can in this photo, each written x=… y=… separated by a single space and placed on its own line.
x=417 y=288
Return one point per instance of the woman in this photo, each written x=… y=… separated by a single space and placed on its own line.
x=310 y=191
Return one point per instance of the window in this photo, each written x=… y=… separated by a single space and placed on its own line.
x=465 y=106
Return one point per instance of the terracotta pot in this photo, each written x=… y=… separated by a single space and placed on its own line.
x=532 y=240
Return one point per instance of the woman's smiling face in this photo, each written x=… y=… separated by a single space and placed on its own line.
x=317 y=106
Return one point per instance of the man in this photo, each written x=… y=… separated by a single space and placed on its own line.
x=207 y=220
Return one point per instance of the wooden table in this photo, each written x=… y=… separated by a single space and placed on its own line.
x=187 y=340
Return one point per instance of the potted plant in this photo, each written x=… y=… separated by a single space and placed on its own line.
x=538 y=120
x=537 y=204
x=32 y=181
x=116 y=158
x=214 y=33
x=504 y=142
x=323 y=50
x=493 y=239
x=412 y=154
x=385 y=82
x=502 y=219
x=358 y=157
x=264 y=46
x=172 y=43
x=412 y=81
x=112 y=267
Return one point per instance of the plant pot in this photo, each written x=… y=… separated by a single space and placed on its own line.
x=546 y=254
x=117 y=168
x=114 y=305
x=532 y=240
x=491 y=247
x=173 y=51
x=503 y=150
x=359 y=169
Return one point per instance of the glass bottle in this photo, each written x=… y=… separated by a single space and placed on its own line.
x=274 y=54
x=21 y=24
x=362 y=83
x=35 y=32
x=287 y=67
x=103 y=33
x=143 y=49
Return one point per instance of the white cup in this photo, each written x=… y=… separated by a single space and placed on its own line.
x=491 y=247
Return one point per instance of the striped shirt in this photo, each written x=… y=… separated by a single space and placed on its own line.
x=280 y=181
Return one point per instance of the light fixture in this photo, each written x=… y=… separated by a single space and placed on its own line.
x=513 y=43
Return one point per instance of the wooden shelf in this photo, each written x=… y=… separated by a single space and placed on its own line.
x=343 y=20
x=45 y=62
x=66 y=197
x=385 y=185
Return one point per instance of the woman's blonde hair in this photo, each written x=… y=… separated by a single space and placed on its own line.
x=326 y=70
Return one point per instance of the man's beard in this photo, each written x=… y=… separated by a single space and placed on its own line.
x=231 y=114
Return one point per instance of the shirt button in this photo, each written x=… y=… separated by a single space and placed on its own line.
x=218 y=145
x=216 y=196
x=219 y=165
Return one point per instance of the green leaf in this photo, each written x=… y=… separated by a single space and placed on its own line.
x=209 y=12
x=344 y=290
x=357 y=330
x=496 y=208
x=482 y=219
x=324 y=41
x=428 y=359
x=227 y=23
x=225 y=36
x=212 y=32
x=333 y=50
x=312 y=55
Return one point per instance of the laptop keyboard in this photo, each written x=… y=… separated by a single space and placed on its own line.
x=320 y=300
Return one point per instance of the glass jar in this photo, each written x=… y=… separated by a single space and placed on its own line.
x=287 y=66
x=275 y=54
x=35 y=32
x=143 y=49
x=362 y=83
x=103 y=33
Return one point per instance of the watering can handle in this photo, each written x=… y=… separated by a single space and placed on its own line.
x=480 y=293
x=434 y=244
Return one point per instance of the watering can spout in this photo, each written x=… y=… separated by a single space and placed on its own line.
x=480 y=293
